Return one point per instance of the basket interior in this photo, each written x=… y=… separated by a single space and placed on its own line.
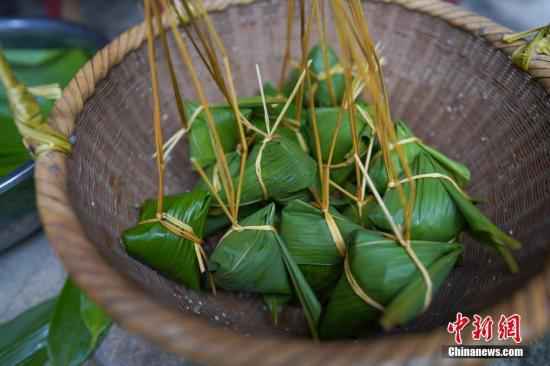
x=456 y=91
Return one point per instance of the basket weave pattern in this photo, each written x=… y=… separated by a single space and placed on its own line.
x=448 y=74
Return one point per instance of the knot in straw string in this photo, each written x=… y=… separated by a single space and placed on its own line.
x=409 y=140
x=337 y=69
x=37 y=135
x=335 y=232
x=183 y=230
x=238 y=228
x=393 y=184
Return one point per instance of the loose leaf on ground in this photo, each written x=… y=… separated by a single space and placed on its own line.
x=76 y=327
x=23 y=340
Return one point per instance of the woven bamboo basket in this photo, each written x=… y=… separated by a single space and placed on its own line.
x=448 y=74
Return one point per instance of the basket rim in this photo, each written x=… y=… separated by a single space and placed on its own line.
x=191 y=337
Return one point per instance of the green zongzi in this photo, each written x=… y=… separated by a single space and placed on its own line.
x=252 y=257
x=171 y=244
x=317 y=242
x=441 y=210
x=377 y=272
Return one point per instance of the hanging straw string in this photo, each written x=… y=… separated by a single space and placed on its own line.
x=271 y=130
x=38 y=136
x=169 y=222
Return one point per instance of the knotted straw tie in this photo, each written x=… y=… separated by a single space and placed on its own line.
x=183 y=230
x=336 y=69
x=239 y=228
x=393 y=184
x=38 y=136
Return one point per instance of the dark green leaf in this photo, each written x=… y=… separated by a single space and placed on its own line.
x=310 y=304
x=321 y=72
x=76 y=328
x=378 y=172
x=154 y=245
x=200 y=142
x=250 y=260
x=327 y=121
x=257 y=261
x=285 y=170
x=483 y=229
x=435 y=215
x=310 y=243
x=382 y=268
x=23 y=340
x=410 y=301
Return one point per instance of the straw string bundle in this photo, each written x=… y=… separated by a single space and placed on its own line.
x=38 y=136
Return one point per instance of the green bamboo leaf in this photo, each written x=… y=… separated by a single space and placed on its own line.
x=327 y=120
x=435 y=215
x=310 y=243
x=321 y=73
x=410 y=301
x=276 y=304
x=382 y=268
x=441 y=211
x=154 y=245
x=94 y=317
x=23 y=340
x=250 y=260
x=256 y=260
x=310 y=304
x=483 y=229
x=76 y=328
x=218 y=221
x=200 y=144
x=351 y=211
x=459 y=172
x=285 y=170
x=39 y=358
x=378 y=172
x=290 y=132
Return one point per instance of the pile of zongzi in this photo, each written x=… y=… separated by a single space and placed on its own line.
x=318 y=197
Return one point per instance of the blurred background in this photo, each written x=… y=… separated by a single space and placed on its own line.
x=111 y=17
